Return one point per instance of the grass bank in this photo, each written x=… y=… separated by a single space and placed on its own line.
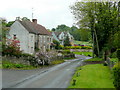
x=94 y=59
x=57 y=62
x=83 y=43
x=92 y=76
x=83 y=53
x=10 y=65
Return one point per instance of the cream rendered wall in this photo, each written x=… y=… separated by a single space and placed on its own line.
x=31 y=44
x=22 y=35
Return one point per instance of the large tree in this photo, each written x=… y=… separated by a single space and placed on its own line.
x=101 y=18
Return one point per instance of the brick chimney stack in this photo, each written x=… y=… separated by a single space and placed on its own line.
x=34 y=20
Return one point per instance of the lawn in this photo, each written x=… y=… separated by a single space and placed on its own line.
x=83 y=53
x=93 y=76
x=57 y=62
x=83 y=43
x=94 y=59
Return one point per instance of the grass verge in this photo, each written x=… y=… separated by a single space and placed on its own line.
x=92 y=76
x=57 y=62
x=83 y=43
x=83 y=53
x=94 y=59
x=10 y=65
x=68 y=58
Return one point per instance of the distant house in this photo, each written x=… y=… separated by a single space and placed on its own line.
x=31 y=35
x=61 y=36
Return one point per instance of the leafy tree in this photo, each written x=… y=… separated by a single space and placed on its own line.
x=4 y=30
x=62 y=28
x=10 y=23
x=67 y=41
x=101 y=18
x=57 y=44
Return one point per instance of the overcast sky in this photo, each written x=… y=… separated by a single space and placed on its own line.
x=49 y=13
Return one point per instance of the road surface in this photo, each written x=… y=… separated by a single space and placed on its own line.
x=58 y=76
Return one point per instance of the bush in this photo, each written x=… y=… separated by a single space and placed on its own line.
x=11 y=50
x=113 y=55
x=118 y=54
x=7 y=65
x=19 y=65
x=116 y=73
x=77 y=47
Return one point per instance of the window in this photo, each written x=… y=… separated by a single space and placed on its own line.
x=14 y=36
x=31 y=38
x=31 y=49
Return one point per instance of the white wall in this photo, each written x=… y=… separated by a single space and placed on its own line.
x=31 y=44
x=22 y=35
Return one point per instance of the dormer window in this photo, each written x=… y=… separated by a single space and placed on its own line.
x=14 y=36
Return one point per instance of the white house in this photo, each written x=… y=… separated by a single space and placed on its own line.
x=31 y=35
x=61 y=36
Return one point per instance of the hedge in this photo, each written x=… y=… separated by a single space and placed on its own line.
x=116 y=73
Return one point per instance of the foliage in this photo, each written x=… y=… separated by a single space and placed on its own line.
x=94 y=59
x=102 y=19
x=56 y=62
x=77 y=47
x=62 y=28
x=113 y=55
x=67 y=41
x=116 y=73
x=57 y=44
x=4 y=30
x=65 y=51
x=92 y=76
x=78 y=34
x=12 y=49
x=83 y=43
x=9 y=23
x=10 y=65
x=115 y=60
x=83 y=53
x=118 y=54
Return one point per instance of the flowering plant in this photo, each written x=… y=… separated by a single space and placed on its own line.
x=12 y=47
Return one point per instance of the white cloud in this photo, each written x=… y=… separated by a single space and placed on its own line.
x=49 y=13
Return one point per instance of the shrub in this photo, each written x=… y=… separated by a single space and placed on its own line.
x=12 y=48
x=19 y=65
x=118 y=54
x=113 y=55
x=66 y=52
x=116 y=73
x=7 y=65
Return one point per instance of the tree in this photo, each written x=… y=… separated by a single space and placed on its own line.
x=9 y=23
x=57 y=44
x=67 y=41
x=4 y=30
x=101 y=18
x=62 y=27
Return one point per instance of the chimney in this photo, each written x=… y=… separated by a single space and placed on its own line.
x=17 y=18
x=34 y=20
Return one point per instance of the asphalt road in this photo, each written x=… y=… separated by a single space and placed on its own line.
x=58 y=76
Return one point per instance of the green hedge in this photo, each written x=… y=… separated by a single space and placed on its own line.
x=116 y=73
